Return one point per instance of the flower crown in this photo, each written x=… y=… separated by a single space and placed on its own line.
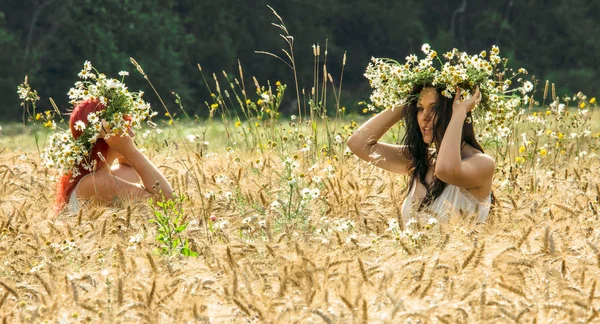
x=123 y=110
x=393 y=82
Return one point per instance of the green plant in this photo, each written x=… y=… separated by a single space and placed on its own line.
x=170 y=222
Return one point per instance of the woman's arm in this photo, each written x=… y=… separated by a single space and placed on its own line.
x=364 y=142
x=472 y=172
x=154 y=181
x=121 y=182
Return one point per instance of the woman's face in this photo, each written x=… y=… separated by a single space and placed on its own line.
x=426 y=113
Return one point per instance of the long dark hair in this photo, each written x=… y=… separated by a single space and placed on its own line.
x=417 y=151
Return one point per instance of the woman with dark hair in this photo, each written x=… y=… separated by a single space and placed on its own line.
x=449 y=172
x=108 y=180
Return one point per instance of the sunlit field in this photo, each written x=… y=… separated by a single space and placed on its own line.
x=277 y=222
x=293 y=228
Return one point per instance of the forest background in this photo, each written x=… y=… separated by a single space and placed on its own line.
x=49 y=40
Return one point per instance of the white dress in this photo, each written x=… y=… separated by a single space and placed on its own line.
x=452 y=201
x=73 y=204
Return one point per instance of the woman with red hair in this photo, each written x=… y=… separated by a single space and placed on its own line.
x=108 y=180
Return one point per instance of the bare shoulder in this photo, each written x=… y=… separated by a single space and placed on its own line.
x=93 y=184
x=478 y=158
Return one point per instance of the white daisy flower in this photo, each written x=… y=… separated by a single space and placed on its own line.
x=84 y=74
x=79 y=125
x=93 y=118
x=306 y=193
x=432 y=221
x=426 y=48
x=315 y=193
x=527 y=86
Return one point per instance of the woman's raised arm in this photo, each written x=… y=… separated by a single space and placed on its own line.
x=470 y=173
x=105 y=186
x=154 y=181
x=365 y=142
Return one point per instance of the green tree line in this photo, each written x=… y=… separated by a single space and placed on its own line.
x=49 y=40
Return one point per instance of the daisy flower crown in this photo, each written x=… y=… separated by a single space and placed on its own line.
x=393 y=82
x=123 y=110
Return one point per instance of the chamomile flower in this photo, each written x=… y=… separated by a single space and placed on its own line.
x=426 y=48
x=527 y=86
x=306 y=193
x=275 y=204
x=79 y=125
x=315 y=193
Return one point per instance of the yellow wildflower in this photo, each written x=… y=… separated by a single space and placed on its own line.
x=259 y=102
x=519 y=159
x=522 y=149
x=561 y=135
x=248 y=102
x=214 y=106
x=238 y=123
x=548 y=112
x=581 y=105
x=38 y=116
x=593 y=100
x=48 y=124
x=167 y=114
x=543 y=152
x=170 y=121
x=365 y=111
x=278 y=84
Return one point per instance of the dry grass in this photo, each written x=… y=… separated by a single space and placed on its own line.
x=536 y=260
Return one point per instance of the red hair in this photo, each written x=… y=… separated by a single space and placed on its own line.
x=67 y=183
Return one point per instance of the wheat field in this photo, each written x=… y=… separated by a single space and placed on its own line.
x=286 y=235
x=289 y=227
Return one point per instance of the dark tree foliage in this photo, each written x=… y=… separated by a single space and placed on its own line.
x=49 y=40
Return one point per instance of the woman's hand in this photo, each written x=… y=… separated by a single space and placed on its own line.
x=465 y=106
x=120 y=142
